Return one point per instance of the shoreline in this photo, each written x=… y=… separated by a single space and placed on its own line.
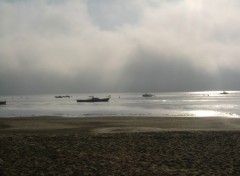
x=117 y=124
x=119 y=146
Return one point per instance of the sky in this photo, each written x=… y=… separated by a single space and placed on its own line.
x=83 y=46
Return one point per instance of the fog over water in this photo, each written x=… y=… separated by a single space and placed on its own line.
x=84 y=46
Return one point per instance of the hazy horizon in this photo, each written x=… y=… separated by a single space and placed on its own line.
x=87 y=46
x=117 y=94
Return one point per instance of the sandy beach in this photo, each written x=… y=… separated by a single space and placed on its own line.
x=119 y=146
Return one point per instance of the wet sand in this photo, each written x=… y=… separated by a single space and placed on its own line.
x=117 y=124
x=119 y=146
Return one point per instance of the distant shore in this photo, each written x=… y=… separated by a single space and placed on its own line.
x=119 y=146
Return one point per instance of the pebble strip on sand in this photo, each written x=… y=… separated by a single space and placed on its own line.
x=154 y=153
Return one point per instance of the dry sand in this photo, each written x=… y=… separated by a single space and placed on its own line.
x=119 y=146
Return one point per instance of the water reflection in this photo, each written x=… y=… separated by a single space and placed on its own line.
x=187 y=104
x=209 y=113
x=205 y=113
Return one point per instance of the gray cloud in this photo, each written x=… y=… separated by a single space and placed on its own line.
x=113 y=46
x=111 y=15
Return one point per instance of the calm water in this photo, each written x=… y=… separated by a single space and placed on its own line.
x=187 y=104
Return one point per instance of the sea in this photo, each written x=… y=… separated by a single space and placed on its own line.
x=167 y=104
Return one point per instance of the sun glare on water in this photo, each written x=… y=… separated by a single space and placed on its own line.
x=205 y=113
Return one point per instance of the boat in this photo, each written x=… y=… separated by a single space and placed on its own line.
x=3 y=102
x=224 y=92
x=58 y=96
x=94 y=99
x=64 y=96
x=147 y=95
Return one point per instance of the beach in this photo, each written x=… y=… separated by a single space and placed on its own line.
x=119 y=146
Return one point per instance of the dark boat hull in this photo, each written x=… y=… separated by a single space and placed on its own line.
x=224 y=92
x=3 y=102
x=64 y=96
x=147 y=95
x=94 y=100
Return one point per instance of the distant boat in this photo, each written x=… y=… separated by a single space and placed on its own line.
x=94 y=99
x=224 y=92
x=3 y=102
x=147 y=95
x=64 y=96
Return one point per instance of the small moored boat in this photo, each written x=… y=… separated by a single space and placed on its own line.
x=147 y=95
x=64 y=96
x=3 y=102
x=94 y=99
